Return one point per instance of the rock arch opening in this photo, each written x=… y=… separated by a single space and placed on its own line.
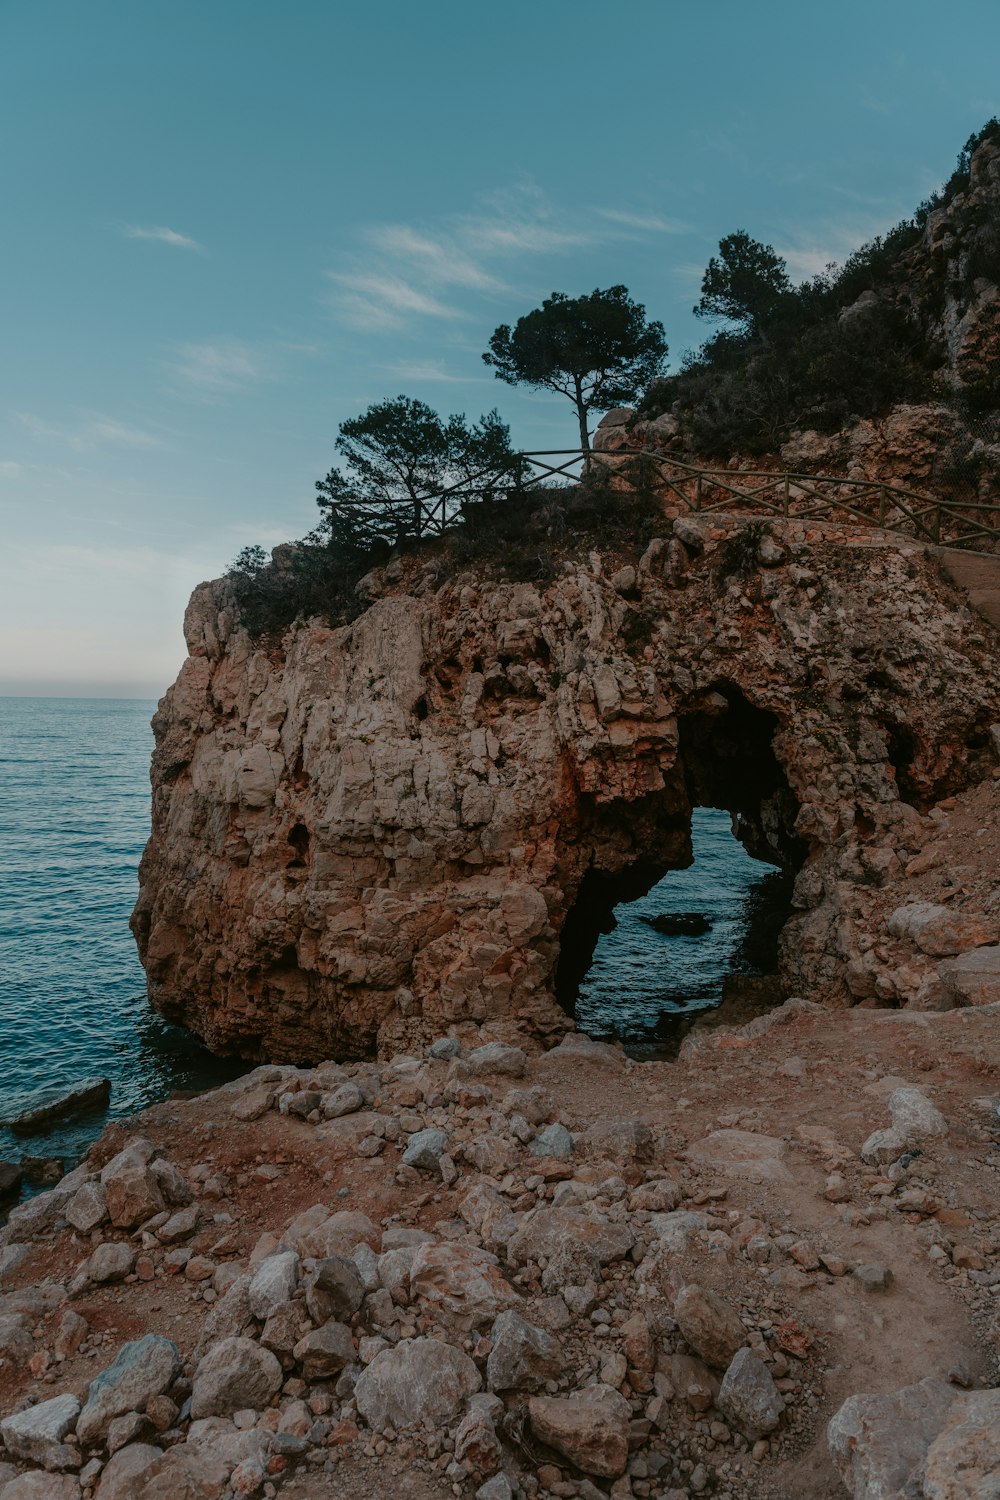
x=726 y=818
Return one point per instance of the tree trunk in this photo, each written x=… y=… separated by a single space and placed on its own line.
x=581 y=412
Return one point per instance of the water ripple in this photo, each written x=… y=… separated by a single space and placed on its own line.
x=74 y=817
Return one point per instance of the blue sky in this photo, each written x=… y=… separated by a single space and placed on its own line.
x=228 y=225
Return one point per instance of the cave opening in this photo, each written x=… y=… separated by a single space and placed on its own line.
x=687 y=891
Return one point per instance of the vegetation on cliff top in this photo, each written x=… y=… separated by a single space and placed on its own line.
x=844 y=345
x=847 y=344
x=599 y=351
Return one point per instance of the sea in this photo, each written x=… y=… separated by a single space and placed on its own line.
x=642 y=986
x=74 y=816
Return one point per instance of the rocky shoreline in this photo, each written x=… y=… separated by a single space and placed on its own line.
x=769 y=1269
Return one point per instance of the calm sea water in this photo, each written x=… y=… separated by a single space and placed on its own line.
x=74 y=816
x=641 y=979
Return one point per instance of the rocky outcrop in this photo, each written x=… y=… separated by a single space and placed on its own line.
x=944 y=444
x=422 y=819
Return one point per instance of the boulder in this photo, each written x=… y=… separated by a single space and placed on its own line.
x=273 y=1283
x=180 y=1226
x=571 y=1240
x=284 y=1327
x=318 y=1233
x=171 y=1181
x=914 y=1121
x=535 y=1104
x=575 y=1048
x=523 y=1357
x=940 y=930
x=234 y=1374
x=420 y=1380
x=16 y=1342
x=10 y=1180
x=963 y=1463
x=425 y=1150
x=464 y=1286
x=37 y=1435
x=87 y=1208
x=122 y=1475
x=748 y=1396
x=144 y=1368
x=325 y=1351
x=879 y=1443
x=476 y=1442
x=494 y=1057
x=621 y=1140
x=11 y=1257
x=554 y=1140
x=41 y=1486
x=493 y=1155
x=111 y=1261
x=131 y=1188
x=334 y=1289
x=590 y=1428
x=709 y=1324
x=36 y=1215
x=230 y=1316
x=346 y=1100
x=675 y=1232
x=973 y=978
x=497 y=1488
x=742 y=1153
x=37 y=1109
x=690 y=1379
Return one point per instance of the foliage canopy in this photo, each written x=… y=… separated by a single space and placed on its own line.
x=746 y=282
x=598 y=350
x=400 y=452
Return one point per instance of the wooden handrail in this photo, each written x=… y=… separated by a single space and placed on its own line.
x=777 y=493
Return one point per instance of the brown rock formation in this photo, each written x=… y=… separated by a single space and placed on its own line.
x=422 y=817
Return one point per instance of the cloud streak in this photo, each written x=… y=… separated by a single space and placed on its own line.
x=94 y=430
x=382 y=300
x=411 y=272
x=440 y=259
x=218 y=367
x=644 y=223
x=164 y=235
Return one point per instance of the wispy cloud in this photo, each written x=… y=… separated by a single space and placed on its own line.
x=427 y=369
x=409 y=270
x=440 y=259
x=218 y=367
x=690 y=271
x=645 y=223
x=164 y=235
x=9 y=469
x=805 y=263
x=377 y=300
x=92 y=430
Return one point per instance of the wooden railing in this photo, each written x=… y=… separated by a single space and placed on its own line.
x=949 y=522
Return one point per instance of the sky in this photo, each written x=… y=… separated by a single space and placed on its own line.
x=229 y=225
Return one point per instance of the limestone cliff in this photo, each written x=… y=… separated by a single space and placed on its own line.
x=422 y=817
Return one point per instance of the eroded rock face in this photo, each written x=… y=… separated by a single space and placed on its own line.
x=383 y=829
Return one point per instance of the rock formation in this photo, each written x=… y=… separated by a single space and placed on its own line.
x=946 y=285
x=369 y=833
